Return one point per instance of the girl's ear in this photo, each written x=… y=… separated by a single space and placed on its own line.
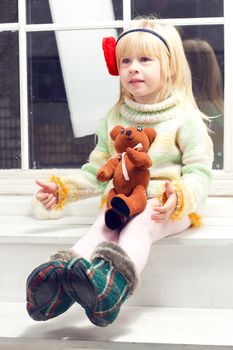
x=109 y=45
x=115 y=131
x=151 y=134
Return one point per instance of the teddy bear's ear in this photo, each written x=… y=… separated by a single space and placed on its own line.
x=151 y=134
x=115 y=131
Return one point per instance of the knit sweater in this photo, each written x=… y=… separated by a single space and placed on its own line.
x=181 y=153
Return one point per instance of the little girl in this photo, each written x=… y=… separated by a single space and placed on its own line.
x=102 y=269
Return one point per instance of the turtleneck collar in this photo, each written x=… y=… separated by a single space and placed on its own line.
x=149 y=113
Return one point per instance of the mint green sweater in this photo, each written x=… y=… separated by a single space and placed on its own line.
x=182 y=153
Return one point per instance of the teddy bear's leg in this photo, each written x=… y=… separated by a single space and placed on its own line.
x=113 y=220
x=130 y=205
x=46 y=297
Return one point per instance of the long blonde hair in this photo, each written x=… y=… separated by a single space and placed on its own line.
x=175 y=72
x=207 y=76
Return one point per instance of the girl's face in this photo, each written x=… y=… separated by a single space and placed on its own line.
x=141 y=77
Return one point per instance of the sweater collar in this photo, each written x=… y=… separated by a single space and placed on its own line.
x=149 y=113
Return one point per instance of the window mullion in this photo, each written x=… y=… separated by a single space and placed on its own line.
x=8 y=26
x=193 y=21
x=23 y=85
x=126 y=11
x=228 y=87
x=73 y=26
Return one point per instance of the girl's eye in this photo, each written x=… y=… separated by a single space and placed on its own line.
x=145 y=59
x=125 y=60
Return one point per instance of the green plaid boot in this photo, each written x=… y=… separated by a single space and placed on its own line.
x=102 y=285
x=46 y=297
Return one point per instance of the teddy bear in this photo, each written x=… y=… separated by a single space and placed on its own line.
x=129 y=169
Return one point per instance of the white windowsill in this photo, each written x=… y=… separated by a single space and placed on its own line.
x=22 y=182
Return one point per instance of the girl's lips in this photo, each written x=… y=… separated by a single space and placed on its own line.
x=135 y=81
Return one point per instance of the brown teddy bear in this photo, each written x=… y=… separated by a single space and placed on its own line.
x=130 y=173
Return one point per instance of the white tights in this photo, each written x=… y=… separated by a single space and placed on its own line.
x=135 y=238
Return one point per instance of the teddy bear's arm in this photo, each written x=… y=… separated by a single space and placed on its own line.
x=139 y=159
x=106 y=172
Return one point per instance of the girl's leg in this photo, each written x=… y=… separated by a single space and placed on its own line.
x=139 y=234
x=97 y=234
x=46 y=295
x=104 y=283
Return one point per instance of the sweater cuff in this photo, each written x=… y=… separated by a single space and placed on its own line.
x=180 y=206
x=61 y=191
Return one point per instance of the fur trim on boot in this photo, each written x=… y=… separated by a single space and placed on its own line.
x=63 y=255
x=116 y=256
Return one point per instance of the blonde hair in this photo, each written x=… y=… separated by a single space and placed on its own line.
x=175 y=71
x=207 y=76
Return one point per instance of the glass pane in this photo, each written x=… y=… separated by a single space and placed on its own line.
x=8 y=11
x=68 y=90
x=9 y=102
x=177 y=8
x=60 y=11
x=205 y=53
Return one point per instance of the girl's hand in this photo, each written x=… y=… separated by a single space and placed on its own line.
x=163 y=213
x=47 y=195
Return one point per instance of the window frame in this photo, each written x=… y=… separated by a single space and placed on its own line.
x=21 y=181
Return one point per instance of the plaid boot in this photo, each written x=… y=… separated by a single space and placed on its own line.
x=46 y=297
x=102 y=285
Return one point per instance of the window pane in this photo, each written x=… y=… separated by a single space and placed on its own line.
x=177 y=8
x=70 y=91
x=9 y=102
x=205 y=53
x=8 y=11
x=59 y=11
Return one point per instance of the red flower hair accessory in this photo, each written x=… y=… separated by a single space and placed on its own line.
x=109 y=45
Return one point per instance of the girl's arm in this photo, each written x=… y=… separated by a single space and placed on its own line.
x=186 y=194
x=197 y=157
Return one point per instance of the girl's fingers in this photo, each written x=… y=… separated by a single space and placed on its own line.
x=50 y=204
x=160 y=210
x=44 y=202
x=169 y=189
x=158 y=220
x=161 y=214
x=41 y=195
x=169 y=205
x=43 y=185
x=47 y=200
x=158 y=216
x=48 y=187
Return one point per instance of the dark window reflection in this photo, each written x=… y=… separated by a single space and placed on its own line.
x=177 y=8
x=52 y=142
x=38 y=11
x=205 y=53
x=9 y=102
x=8 y=11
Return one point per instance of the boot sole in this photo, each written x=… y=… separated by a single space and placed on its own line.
x=46 y=297
x=78 y=285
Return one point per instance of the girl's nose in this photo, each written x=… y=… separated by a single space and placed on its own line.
x=134 y=66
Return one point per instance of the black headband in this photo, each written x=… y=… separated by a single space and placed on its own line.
x=147 y=31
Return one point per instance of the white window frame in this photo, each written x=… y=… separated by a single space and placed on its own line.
x=21 y=181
